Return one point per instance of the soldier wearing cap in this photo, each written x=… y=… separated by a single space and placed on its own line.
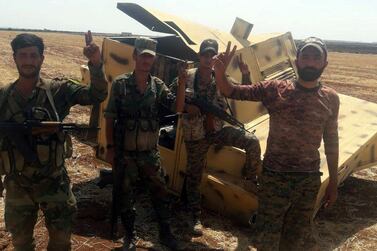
x=136 y=100
x=302 y=113
x=203 y=130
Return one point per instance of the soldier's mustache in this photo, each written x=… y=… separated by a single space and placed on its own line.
x=28 y=66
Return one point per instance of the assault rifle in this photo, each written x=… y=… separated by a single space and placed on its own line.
x=206 y=107
x=118 y=170
x=21 y=134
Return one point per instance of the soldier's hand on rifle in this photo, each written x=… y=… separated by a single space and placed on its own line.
x=91 y=50
x=221 y=61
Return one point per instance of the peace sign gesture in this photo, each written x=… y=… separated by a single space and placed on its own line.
x=222 y=60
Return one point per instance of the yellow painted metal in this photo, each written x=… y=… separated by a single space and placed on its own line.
x=269 y=56
x=117 y=58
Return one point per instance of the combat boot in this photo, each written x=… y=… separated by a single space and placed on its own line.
x=196 y=227
x=129 y=242
x=129 y=239
x=168 y=239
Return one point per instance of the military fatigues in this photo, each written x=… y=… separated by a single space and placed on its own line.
x=140 y=115
x=42 y=183
x=201 y=131
x=299 y=119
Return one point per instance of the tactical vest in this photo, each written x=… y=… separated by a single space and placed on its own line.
x=140 y=115
x=50 y=149
x=194 y=126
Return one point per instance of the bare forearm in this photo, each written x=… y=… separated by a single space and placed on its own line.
x=332 y=163
x=225 y=87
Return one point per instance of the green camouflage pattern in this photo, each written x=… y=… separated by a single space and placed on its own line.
x=140 y=114
x=145 y=167
x=44 y=183
x=55 y=199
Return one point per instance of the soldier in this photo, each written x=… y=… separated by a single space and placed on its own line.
x=41 y=183
x=136 y=100
x=203 y=130
x=302 y=112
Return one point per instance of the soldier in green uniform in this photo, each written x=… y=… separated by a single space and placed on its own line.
x=40 y=181
x=203 y=130
x=137 y=98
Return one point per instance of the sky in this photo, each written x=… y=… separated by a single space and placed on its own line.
x=348 y=20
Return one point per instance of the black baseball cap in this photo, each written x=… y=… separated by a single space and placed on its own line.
x=209 y=45
x=313 y=42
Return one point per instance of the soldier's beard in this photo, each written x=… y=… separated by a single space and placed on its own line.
x=309 y=73
x=29 y=74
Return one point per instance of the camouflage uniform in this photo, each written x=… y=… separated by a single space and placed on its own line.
x=286 y=206
x=44 y=183
x=141 y=115
x=202 y=131
x=290 y=181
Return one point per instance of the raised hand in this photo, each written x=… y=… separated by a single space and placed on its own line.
x=221 y=61
x=91 y=50
x=244 y=68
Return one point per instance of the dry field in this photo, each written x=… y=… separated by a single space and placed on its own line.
x=350 y=225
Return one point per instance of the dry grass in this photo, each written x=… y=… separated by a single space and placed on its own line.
x=353 y=74
x=349 y=225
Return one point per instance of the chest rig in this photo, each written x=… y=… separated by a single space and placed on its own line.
x=197 y=127
x=48 y=150
x=139 y=114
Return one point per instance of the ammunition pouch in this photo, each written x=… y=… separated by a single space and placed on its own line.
x=141 y=135
x=51 y=152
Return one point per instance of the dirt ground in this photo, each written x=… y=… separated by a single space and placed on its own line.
x=350 y=225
